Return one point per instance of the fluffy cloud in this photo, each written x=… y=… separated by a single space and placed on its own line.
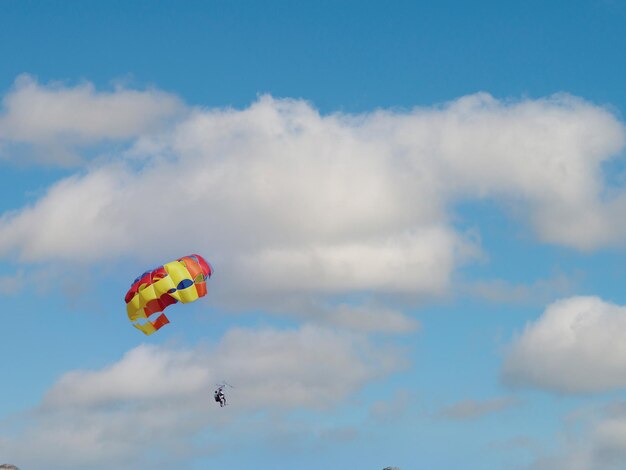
x=148 y=407
x=287 y=202
x=536 y=153
x=577 y=346
x=294 y=198
x=55 y=118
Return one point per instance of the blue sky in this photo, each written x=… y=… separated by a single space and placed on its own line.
x=414 y=211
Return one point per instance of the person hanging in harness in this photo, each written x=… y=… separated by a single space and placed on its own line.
x=219 y=396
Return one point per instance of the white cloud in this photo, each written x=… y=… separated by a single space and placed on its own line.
x=54 y=118
x=576 y=346
x=313 y=367
x=148 y=407
x=144 y=373
x=411 y=262
x=543 y=155
x=285 y=201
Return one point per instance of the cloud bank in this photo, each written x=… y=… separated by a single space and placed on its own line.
x=156 y=404
x=287 y=202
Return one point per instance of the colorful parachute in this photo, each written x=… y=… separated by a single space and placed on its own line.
x=183 y=280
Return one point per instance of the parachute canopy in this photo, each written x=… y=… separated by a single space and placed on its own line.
x=183 y=280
